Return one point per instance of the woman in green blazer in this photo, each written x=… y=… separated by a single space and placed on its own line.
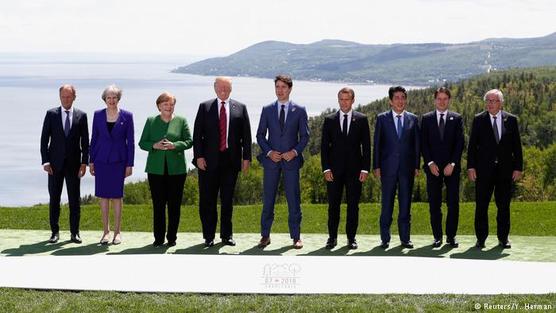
x=165 y=137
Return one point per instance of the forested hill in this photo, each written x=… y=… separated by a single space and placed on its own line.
x=410 y=64
x=528 y=93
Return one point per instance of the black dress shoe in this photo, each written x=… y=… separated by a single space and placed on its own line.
x=480 y=244
x=171 y=243
x=229 y=242
x=505 y=244
x=75 y=238
x=54 y=238
x=384 y=244
x=437 y=243
x=407 y=244
x=331 y=243
x=453 y=242
x=157 y=244
x=209 y=243
x=352 y=245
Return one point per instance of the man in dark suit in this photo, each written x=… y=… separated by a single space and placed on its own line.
x=281 y=153
x=221 y=148
x=346 y=161
x=442 y=145
x=396 y=162
x=65 y=155
x=494 y=163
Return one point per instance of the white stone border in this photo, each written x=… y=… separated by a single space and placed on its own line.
x=277 y=274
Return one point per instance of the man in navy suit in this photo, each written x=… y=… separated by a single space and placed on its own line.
x=65 y=155
x=221 y=148
x=494 y=163
x=346 y=161
x=396 y=162
x=442 y=145
x=285 y=122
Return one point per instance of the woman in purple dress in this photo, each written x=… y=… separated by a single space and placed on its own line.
x=112 y=154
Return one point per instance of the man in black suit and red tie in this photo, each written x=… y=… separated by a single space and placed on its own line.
x=65 y=156
x=346 y=161
x=221 y=148
x=494 y=163
x=442 y=144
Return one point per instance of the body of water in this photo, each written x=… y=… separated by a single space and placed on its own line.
x=28 y=89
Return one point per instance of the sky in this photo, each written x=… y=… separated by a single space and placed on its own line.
x=219 y=28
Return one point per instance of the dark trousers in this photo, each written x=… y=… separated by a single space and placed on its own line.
x=353 y=193
x=404 y=184
x=501 y=185
x=69 y=173
x=221 y=181
x=166 y=190
x=434 y=191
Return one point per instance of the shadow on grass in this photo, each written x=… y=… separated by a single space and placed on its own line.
x=90 y=249
x=35 y=248
x=495 y=253
x=326 y=252
x=255 y=250
x=200 y=249
x=148 y=249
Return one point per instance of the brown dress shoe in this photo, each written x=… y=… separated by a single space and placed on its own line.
x=265 y=241
x=297 y=244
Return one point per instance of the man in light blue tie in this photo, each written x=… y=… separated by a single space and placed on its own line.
x=396 y=162
x=285 y=123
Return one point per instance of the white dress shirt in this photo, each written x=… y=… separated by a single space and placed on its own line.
x=63 y=116
x=498 y=123
x=349 y=115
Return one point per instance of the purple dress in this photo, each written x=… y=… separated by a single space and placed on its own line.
x=112 y=150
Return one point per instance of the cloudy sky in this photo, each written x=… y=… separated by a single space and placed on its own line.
x=219 y=27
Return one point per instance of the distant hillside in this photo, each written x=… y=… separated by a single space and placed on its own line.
x=417 y=64
x=528 y=93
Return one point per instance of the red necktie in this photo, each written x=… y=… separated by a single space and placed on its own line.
x=223 y=121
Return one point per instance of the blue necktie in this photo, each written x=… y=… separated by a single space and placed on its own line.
x=400 y=129
x=67 y=123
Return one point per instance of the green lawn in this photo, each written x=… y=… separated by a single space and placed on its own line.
x=528 y=218
x=18 y=300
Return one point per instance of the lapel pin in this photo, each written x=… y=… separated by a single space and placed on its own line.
x=451 y=118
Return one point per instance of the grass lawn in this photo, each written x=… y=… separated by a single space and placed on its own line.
x=18 y=300
x=528 y=218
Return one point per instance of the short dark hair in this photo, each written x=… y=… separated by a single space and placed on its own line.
x=347 y=90
x=286 y=79
x=165 y=96
x=393 y=90
x=443 y=90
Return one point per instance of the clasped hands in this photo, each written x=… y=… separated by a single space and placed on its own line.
x=164 y=144
x=276 y=156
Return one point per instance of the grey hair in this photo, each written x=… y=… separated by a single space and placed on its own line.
x=112 y=89
x=496 y=92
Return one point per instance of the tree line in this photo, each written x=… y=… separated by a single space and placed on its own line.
x=528 y=93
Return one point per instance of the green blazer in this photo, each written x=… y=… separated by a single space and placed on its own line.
x=175 y=131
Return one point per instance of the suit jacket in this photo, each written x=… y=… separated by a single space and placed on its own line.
x=175 y=131
x=294 y=136
x=343 y=154
x=206 y=134
x=113 y=146
x=56 y=149
x=393 y=155
x=483 y=153
x=446 y=151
